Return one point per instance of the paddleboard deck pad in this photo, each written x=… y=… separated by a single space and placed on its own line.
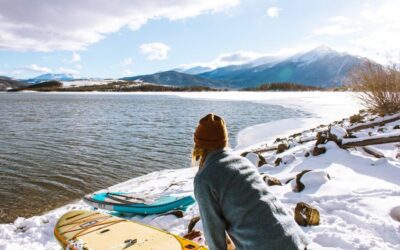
x=132 y=203
x=90 y=230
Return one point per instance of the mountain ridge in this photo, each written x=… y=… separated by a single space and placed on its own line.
x=174 y=78
x=319 y=67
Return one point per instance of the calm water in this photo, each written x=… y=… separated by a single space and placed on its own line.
x=55 y=148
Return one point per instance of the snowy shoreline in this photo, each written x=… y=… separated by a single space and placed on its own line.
x=358 y=205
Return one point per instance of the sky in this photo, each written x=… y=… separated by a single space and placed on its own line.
x=113 y=39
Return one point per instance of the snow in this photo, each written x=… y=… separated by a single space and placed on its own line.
x=338 y=132
x=313 y=55
x=88 y=82
x=253 y=158
x=359 y=203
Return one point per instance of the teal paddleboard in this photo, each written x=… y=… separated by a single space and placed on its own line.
x=136 y=204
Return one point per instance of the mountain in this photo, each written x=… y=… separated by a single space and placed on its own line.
x=322 y=67
x=50 y=77
x=174 y=78
x=319 y=67
x=194 y=70
x=9 y=83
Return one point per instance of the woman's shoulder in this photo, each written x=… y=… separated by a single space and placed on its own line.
x=224 y=163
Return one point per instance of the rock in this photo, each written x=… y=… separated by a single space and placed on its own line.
x=318 y=151
x=309 y=179
x=244 y=153
x=287 y=159
x=321 y=138
x=337 y=133
x=193 y=223
x=306 y=215
x=262 y=160
x=295 y=135
x=272 y=181
x=257 y=159
x=396 y=127
x=177 y=213
x=395 y=213
x=193 y=234
x=252 y=157
x=282 y=147
x=278 y=161
x=289 y=180
x=307 y=154
x=298 y=186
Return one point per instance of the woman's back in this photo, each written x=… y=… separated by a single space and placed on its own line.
x=233 y=197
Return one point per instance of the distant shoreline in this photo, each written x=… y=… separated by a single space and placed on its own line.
x=129 y=86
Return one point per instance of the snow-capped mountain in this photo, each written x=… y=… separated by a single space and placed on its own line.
x=193 y=70
x=49 y=77
x=315 y=54
x=322 y=67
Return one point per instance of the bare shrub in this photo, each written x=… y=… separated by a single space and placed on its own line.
x=377 y=86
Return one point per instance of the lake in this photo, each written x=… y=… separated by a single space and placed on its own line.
x=55 y=148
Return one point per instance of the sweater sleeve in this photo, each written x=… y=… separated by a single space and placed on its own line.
x=213 y=223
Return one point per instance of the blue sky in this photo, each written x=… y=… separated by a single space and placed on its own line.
x=119 y=38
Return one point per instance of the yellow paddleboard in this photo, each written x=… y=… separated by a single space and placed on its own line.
x=91 y=230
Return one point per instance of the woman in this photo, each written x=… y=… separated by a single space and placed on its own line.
x=233 y=199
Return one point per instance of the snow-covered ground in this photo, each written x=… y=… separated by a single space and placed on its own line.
x=357 y=195
x=88 y=82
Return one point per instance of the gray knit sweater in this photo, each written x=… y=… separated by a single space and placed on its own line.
x=233 y=198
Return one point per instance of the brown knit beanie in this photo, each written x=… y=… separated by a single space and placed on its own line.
x=211 y=133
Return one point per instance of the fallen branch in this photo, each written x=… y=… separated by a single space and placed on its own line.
x=307 y=139
x=373 y=152
x=377 y=122
x=372 y=140
x=266 y=149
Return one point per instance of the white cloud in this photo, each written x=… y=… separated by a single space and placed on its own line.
x=155 y=51
x=75 y=24
x=127 y=72
x=31 y=69
x=243 y=57
x=333 y=30
x=273 y=11
x=338 y=26
x=374 y=32
x=127 y=61
x=75 y=57
x=225 y=59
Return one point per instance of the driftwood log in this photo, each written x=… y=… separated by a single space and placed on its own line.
x=267 y=149
x=373 y=140
x=352 y=142
x=373 y=152
x=381 y=122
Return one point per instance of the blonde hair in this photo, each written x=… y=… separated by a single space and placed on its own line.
x=199 y=155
